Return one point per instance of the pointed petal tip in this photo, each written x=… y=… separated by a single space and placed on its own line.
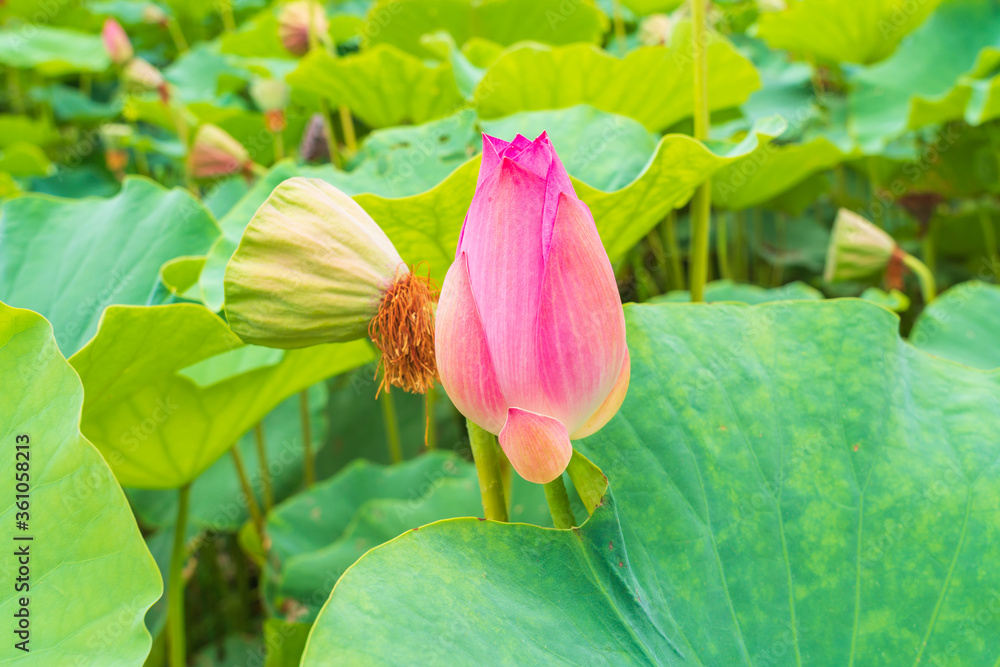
x=537 y=446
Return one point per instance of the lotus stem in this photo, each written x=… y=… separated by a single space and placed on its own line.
x=279 y=146
x=265 y=470
x=486 y=453
x=701 y=203
x=430 y=431
x=226 y=12
x=722 y=246
x=924 y=274
x=616 y=13
x=391 y=423
x=558 y=499
x=928 y=249
x=989 y=233
x=177 y=35
x=175 y=584
x=331 y=138
x=673 y=250
x=308 y=466
x=241 y=473
x=347 y=124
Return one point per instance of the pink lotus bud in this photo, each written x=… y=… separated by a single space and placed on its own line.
x=216 y=153
x=530 y=334
x=295 y=22
x=116 y=42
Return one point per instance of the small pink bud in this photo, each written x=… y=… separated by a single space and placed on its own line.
x=216 y=153
x=140 y=75
x=296 y=21
x=116 y=42
x=530 y=334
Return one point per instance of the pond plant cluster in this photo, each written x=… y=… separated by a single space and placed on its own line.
x=313 y=348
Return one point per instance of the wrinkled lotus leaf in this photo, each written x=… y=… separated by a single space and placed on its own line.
x=52 y=51
x=653 y=85
x=843 y=31
x=382 y=86
x=171 y=388
x=778 y=493
x=963 y=325
x=943 y=71
x=403 y=22
x=770 y=171
x=91 y=577
x=69 y=259
x=727 y=290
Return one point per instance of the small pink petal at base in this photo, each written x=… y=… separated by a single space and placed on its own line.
x=538 y=446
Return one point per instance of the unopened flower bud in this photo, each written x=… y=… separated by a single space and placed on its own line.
x=116 y=42
x=216 y=153
x=297 y=20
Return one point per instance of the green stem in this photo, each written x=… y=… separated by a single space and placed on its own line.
x=391 y=427
x=175 y=584
x=616 y=13
x=347 y=125
x=279 y=146
x=226 y=12
x=701 y=203
x=430 y=433
x=924 y=275
x=265 y=470
x=673 y=249
x=241 y=473
x=486 y=454
x=722 y=246
x=989 y=233
x=308 y=466
x=331 y=138
x=929 y=252
x=559 y=507
x=177 y=35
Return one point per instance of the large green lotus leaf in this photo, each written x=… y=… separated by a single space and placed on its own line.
x=216 y=500
x=317 y=535
x=170 y=389
x=24 y=160
x=52 y=51
x=791 y=483
x=843 y=31
x=943 y=71
x=382 y=85
x=14 y=129
x=69 y=259
x=70 y=104
x=91 y=577
x=770 y=171
x=403 y=22
x=727 y=290
x=202 y=74
x=256 y=38
x=646 y=7
x=653 y=85
x=963 y=324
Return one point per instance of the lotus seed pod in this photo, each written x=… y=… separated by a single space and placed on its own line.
x=216 y=153
x=313 y=268
x=858 y=248
x=314 y=146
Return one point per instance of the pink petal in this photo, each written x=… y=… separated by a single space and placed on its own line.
x=609 y=408
x=502 y=240
x=538 y=446
x=493 y=148
x=463 y=357
x=581 y=326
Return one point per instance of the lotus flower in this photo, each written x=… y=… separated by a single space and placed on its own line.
x=295 y=22
x=116 y=42
x=530 y=334
x=140 y=75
